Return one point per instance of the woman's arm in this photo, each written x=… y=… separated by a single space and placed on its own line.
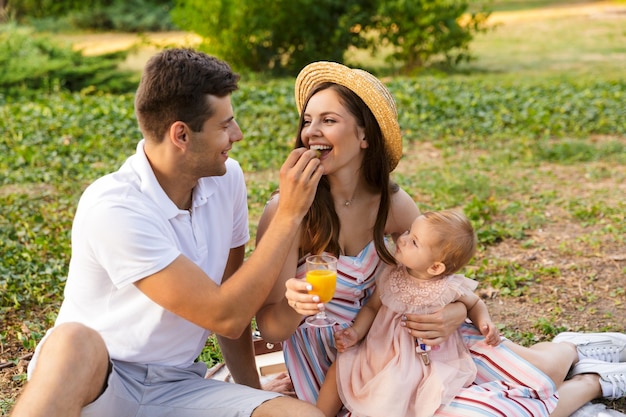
x=402 y=213
x=275 y=319
x=239 y=353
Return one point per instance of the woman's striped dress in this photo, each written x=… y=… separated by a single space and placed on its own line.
x=506 y=385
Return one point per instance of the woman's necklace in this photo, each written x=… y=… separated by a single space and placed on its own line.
x=348 y=203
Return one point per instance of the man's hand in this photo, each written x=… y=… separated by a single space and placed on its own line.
x=299 y=176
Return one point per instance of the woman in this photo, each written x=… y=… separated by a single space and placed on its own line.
x=350 y=118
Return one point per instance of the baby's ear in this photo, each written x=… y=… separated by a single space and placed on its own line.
x=437 y=268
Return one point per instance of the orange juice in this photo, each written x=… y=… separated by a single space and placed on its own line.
x=323 y=282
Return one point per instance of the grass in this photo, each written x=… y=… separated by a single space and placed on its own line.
x=590 y=44
x=529 y=139
x=524 y=5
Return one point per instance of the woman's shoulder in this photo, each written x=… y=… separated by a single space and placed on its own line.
x=271 y=205
x=402 y=212
x=402 y=198
x=269 y=211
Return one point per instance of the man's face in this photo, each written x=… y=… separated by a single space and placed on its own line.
x=208 y=150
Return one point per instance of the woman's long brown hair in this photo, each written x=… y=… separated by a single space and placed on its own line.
x=321 y=223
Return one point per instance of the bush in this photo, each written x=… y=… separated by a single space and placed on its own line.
x=46 y=8
x=279 y=36
x=284 y=35
x=126 y=16
x=29 y=62
x=423 y=31
x=119 y=15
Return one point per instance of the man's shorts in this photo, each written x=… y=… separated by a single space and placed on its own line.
x=155 y=390
x=159 y=391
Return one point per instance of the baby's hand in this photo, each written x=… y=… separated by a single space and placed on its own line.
x=345 y=338
x=491 y=333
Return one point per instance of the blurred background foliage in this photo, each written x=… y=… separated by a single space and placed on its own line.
x=276 y=37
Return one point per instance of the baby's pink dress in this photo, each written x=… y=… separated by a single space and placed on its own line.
x=384 y=376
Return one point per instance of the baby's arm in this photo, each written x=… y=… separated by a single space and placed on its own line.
x=479 y=315
x=350 y=336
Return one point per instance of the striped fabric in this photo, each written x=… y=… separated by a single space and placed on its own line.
x=311 y=350
x=506 y=385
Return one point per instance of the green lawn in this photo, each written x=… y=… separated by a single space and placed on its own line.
x=529 y=139
x=517 y=5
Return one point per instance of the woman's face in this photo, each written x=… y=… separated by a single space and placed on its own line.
x=329 y=127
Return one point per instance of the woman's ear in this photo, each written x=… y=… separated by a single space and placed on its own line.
x=362 y=139
x=437 y=268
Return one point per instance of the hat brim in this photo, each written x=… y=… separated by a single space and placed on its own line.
x=369 y=88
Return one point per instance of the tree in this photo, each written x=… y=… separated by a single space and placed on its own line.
x=423 y=31
x=282 y=36
x=279 y=36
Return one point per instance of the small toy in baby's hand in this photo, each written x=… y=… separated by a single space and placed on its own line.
x=422 y=349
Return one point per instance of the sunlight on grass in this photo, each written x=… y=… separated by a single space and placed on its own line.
x=590 y=42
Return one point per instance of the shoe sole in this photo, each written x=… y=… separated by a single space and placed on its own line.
x=569 y=336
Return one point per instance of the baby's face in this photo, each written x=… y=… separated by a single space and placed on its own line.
x=414 y=248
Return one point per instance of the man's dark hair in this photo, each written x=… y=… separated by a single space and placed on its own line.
x=174 y=86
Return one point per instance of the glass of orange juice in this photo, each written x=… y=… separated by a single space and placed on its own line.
x=321 y=273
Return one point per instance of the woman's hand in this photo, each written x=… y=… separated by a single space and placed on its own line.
x=435 y=328
x=280 y=383
x=298 y=297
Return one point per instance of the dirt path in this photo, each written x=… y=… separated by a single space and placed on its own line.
x=100 y=43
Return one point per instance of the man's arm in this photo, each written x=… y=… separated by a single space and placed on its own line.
x=239 y=353
x=184 y=289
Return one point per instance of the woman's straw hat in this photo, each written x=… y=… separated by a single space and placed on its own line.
x=369 y=88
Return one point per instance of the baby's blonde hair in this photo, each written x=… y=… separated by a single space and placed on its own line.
x=456 y=243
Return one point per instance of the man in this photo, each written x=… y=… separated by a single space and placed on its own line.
x=157 y=263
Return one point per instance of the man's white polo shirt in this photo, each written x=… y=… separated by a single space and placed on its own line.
x=126 y=228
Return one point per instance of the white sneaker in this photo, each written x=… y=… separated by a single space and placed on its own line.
x=612 y=376
x=607 y=347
